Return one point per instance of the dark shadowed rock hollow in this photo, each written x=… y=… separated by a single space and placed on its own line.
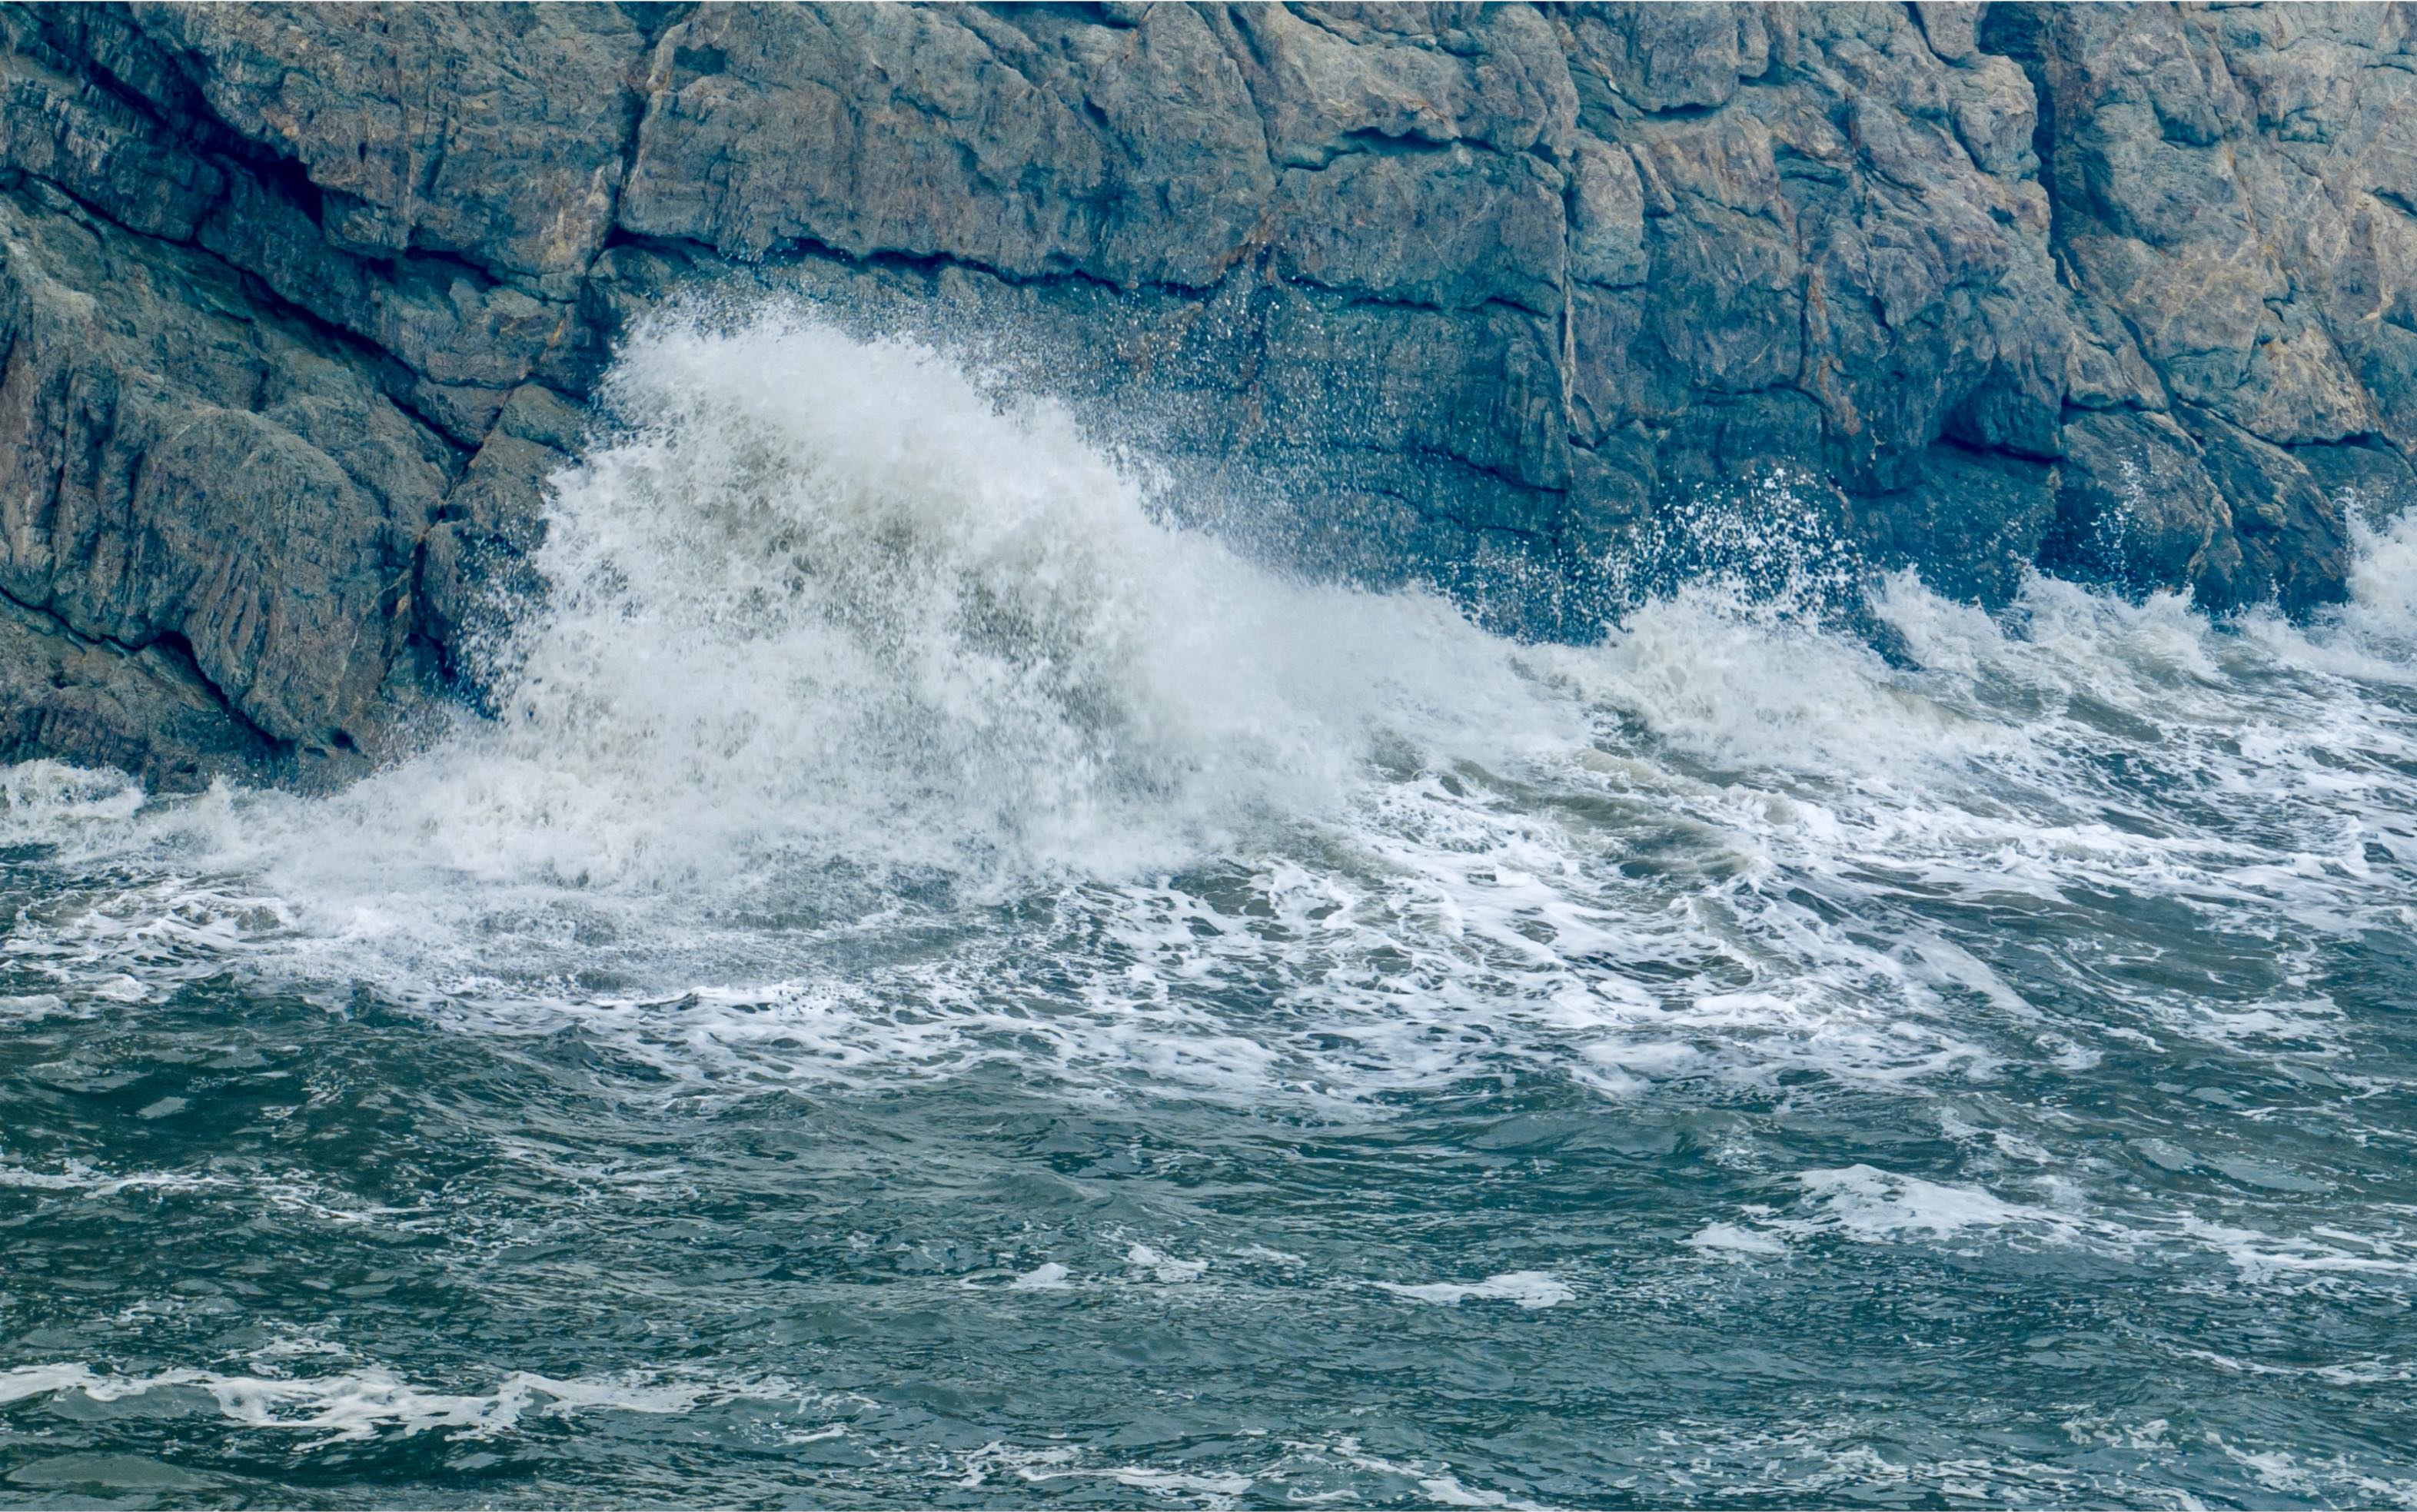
x=300 y=305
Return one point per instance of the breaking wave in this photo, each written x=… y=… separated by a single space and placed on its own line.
x=875 y=726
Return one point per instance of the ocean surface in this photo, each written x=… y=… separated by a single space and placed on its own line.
x=942 y=988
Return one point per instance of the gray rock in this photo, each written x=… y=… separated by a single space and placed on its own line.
x=2137 y=509
x=1974 y=523
x=147 y=712
x=1451 y=228
x=495 y=133
x=2294 y=540
x=474 y=572
x=184 y=470
x=2222 y=183
x=302 y=303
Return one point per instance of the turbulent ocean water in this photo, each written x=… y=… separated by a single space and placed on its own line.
x=940 y=987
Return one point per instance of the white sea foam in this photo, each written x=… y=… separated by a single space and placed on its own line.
x=1527 y=1289
x=1731 y=1239
x=1166 y=1268
x=1437 y=1482
x=1036 y=1466
x=82 y=1180
x=1047 y=1277
x=361 y=1404
x=875 y=731
x=1873 y=1205
x=1863 y=1204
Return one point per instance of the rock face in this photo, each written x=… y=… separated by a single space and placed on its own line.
x=299 y=304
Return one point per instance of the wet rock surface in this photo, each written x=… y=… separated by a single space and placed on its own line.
x=302 y=304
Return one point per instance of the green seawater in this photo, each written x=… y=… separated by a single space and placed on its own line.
x=980 y=1017
x=368 y=1262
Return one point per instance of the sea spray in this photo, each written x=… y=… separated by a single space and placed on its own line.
x=850 y=606
x=876 y=725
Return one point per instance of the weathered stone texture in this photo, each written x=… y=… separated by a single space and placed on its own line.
x=2228 y=186
x=300 y=303
x=180 y=467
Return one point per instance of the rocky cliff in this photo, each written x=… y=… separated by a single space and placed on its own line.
x=301 y=303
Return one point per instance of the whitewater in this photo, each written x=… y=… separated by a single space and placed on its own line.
x=940 y=982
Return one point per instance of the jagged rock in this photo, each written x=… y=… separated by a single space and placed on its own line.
x=492 y=133
x=302 y=302
x=2137 y=509
x=182 y=469
x=1974 y=523
x=2370 y=481
x=2293 y=540
x=146 y=711
x=474 y=569
x=1450 y=228
x=1131 y=153
x=62 y=122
